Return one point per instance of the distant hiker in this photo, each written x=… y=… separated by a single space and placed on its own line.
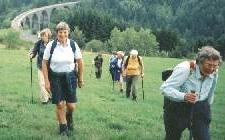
x=98 y=61
x=132 y=69
x=38 y=49
x=188 y=94
x=112 y=57
x=116 y=69
x=59 y=61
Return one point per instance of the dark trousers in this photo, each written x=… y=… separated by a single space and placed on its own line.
x=98 y=72
x=177 y=117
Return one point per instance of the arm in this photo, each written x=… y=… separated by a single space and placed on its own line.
x=212 y=90
x=34 y=50
x=80 y=72
x=79 y=61
x=170 y=88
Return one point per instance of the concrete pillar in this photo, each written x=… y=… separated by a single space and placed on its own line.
x=39 y=20
x=49 y=13
x=31 y=21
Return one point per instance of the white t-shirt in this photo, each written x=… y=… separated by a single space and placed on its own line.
x=119 y=63
x=63 y=57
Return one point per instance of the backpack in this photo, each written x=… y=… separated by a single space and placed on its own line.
x=54 y=43
x=127 y=60
x=113 y=65
x=168 y=72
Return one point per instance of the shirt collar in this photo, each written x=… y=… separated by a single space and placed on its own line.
x=198 y=73
x=67 y=42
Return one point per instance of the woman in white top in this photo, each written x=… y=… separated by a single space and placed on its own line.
x=59 y=61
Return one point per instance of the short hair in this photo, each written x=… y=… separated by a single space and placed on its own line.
x=62 y=26
x=134 y=52
x=46 y=30
x=208 y=53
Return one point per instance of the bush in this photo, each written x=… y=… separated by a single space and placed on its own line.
x=11 y=39
x=95 y=46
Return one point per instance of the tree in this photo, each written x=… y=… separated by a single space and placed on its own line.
x=95 y=45
x=78 y=36
x=167 y=39
x=143 y=41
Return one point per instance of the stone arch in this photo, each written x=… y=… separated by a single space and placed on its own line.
x=44 y=19
x=27 y=23
x=35 y=23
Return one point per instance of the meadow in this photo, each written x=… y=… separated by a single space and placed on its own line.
x=102 y=113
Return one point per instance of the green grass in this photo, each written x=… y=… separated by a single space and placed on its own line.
x=102 y=114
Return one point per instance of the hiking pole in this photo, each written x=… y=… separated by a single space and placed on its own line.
x=91 y=70
x=142 y=86
x=191 y=117
x=113 y=80
x=31 y=80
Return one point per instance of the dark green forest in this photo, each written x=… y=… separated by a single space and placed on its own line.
x=180 y=26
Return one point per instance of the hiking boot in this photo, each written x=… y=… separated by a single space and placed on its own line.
x=134 y=98
x=69 y=118
x=44 y=103
x=63 y=130
x=121 y=90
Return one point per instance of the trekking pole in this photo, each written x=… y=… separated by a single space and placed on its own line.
x=113 y=80
x=142 y=85
x=31 y=80
x=191 y=117
x=91 y=70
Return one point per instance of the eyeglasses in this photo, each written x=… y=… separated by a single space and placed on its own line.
x=215 y=66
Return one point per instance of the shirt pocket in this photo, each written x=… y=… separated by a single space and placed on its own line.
x=189 y=85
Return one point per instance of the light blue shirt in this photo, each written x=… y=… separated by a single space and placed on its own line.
x=184 y=79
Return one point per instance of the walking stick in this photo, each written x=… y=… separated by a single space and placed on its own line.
x=191 y=117
x=91 y=70
x=31 y=81
x=113 y=80
x=142 y=85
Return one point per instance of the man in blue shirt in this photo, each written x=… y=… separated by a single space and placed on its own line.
x=188 y=94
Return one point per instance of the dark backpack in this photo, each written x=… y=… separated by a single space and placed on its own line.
x=113 y=65
x=127 y=60
x=54 y=43
x=168 y=72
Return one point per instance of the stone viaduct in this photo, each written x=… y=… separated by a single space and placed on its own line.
x=38 y=18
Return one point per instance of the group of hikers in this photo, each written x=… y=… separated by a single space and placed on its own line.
x=123 y=69
x=188 y=89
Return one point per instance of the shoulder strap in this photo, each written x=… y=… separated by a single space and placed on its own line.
x=72 y=44
x=139 y=60
x=126 y=62
x=192 y=64
x=54 y=43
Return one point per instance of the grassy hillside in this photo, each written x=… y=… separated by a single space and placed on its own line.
x=102 y=114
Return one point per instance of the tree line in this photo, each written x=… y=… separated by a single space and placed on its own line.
x=180 y=27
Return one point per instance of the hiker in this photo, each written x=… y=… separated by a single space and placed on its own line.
x=188 y=94
x=38 y=49
x=61 y=79
x=133 y=68
x=112 y=57
x=98 y=61
x=116 y=69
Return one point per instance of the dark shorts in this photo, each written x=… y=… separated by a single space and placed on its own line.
x=63 y=87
